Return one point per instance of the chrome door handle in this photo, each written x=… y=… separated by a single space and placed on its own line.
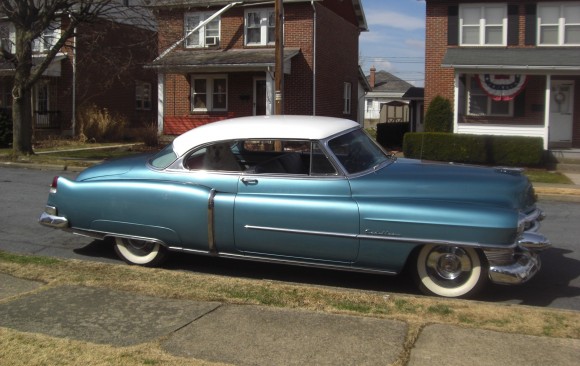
x=249 y=181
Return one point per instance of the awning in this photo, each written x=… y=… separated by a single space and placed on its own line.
x=522 y=60
x=222 y=60
x=54 y=69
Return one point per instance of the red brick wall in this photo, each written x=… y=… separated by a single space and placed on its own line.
x=110 y=59
x=337 y=62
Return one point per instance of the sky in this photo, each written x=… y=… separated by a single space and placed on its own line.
x=396 y=39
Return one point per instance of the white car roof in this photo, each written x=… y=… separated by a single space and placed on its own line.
x=262 y=127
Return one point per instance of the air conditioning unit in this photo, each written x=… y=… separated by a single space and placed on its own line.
x=212 y=41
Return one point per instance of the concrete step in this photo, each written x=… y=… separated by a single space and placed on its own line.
x=568 y=167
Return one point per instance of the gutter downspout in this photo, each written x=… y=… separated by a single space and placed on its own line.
x=74 y=85
x=314 y=58
x=202 y=24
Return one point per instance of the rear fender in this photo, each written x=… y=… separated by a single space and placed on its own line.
x=173 y=213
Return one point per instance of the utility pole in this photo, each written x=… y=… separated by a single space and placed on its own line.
x=279 y=59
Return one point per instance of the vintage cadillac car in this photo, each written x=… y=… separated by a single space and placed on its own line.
x=310 y=191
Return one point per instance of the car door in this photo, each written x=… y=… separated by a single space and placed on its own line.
x=299 y=215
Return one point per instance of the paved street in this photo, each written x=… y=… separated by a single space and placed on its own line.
x=24 y=194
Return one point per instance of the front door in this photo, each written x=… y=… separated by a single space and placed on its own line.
x=260 y=97
x=561 y=107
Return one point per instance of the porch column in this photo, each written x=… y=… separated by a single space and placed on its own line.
x=160 y=101
x=547 y=112
x=455 y=102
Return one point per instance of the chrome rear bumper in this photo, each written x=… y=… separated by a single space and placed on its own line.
x=49 y=218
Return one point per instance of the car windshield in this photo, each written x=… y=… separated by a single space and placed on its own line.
x=164 y=158
x=357 y=152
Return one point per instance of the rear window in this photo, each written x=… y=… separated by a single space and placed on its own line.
x=164 y=158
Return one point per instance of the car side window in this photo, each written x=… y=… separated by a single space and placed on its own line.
x=320 y=164
x=295 y=157
x=217 y=157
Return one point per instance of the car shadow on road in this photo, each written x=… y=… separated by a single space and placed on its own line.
x=98 y=249
x=551 y=283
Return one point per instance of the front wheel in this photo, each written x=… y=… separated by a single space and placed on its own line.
x=140 y=252
x=450 y=271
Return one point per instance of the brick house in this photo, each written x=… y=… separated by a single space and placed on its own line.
x=101 y=66
x=225 y=68
x=509 y=67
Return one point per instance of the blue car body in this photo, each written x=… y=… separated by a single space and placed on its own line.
x=343 y=208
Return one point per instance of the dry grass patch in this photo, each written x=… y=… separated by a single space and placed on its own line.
x=26 y=349
x=419 y=311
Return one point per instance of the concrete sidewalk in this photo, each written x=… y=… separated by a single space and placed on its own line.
x=257 y=335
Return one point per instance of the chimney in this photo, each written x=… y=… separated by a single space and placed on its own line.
x=372 y=77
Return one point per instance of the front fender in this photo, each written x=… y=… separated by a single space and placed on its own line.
x=480 y=225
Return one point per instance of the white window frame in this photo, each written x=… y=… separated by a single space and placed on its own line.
x=264 y=27
x=561 y=24
x=143 y=96
x=47 y=39
x=209 y=92
x=483 y=24
x=203 y=32
x=488 y=112
x=347 y=98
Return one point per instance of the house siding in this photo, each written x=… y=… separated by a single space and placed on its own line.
x=336 y=63
x=441 y=80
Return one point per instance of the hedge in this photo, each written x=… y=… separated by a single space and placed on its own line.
x=475 y=149
x=391 y=134
x=5 y=128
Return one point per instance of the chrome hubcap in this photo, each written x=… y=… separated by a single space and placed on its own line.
x=139 y=247
x=448 y=264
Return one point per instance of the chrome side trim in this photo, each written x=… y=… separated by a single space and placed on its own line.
x=211 y=222
x=287 y=261
x=383 y=238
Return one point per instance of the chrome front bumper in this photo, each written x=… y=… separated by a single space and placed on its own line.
x=518 y=265
x=50 y=218
x=525 y=266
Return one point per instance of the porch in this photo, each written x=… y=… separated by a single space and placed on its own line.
x=517 y=92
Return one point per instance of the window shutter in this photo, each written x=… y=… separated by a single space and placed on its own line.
x=513 y=25
x=453 y=25
x=531 y=23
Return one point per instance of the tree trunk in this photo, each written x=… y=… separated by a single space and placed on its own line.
x=21 y=94
x=22 y=123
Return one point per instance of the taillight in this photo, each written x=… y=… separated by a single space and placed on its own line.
x=54 y=185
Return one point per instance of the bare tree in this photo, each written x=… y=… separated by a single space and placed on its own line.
x=31 y=19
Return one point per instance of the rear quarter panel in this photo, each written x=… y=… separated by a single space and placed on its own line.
x=175 y=213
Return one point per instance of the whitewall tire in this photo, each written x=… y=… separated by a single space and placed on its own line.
x=450 y=271
x=140 y=252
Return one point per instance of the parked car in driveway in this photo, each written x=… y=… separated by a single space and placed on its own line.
x=310 y=191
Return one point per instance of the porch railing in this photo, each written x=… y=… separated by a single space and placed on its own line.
x=47 y=119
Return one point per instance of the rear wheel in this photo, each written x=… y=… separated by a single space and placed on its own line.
x=140 y=252
x=450 y=271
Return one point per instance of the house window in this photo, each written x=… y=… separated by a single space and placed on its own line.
x=209 y=93
x=483 y=25
x=347 y=97
x=480 y=104
x=559 y=24
x=143 y=96
x=260 y=27
x=7 y=36
x=47 y=39
x=208 y=35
